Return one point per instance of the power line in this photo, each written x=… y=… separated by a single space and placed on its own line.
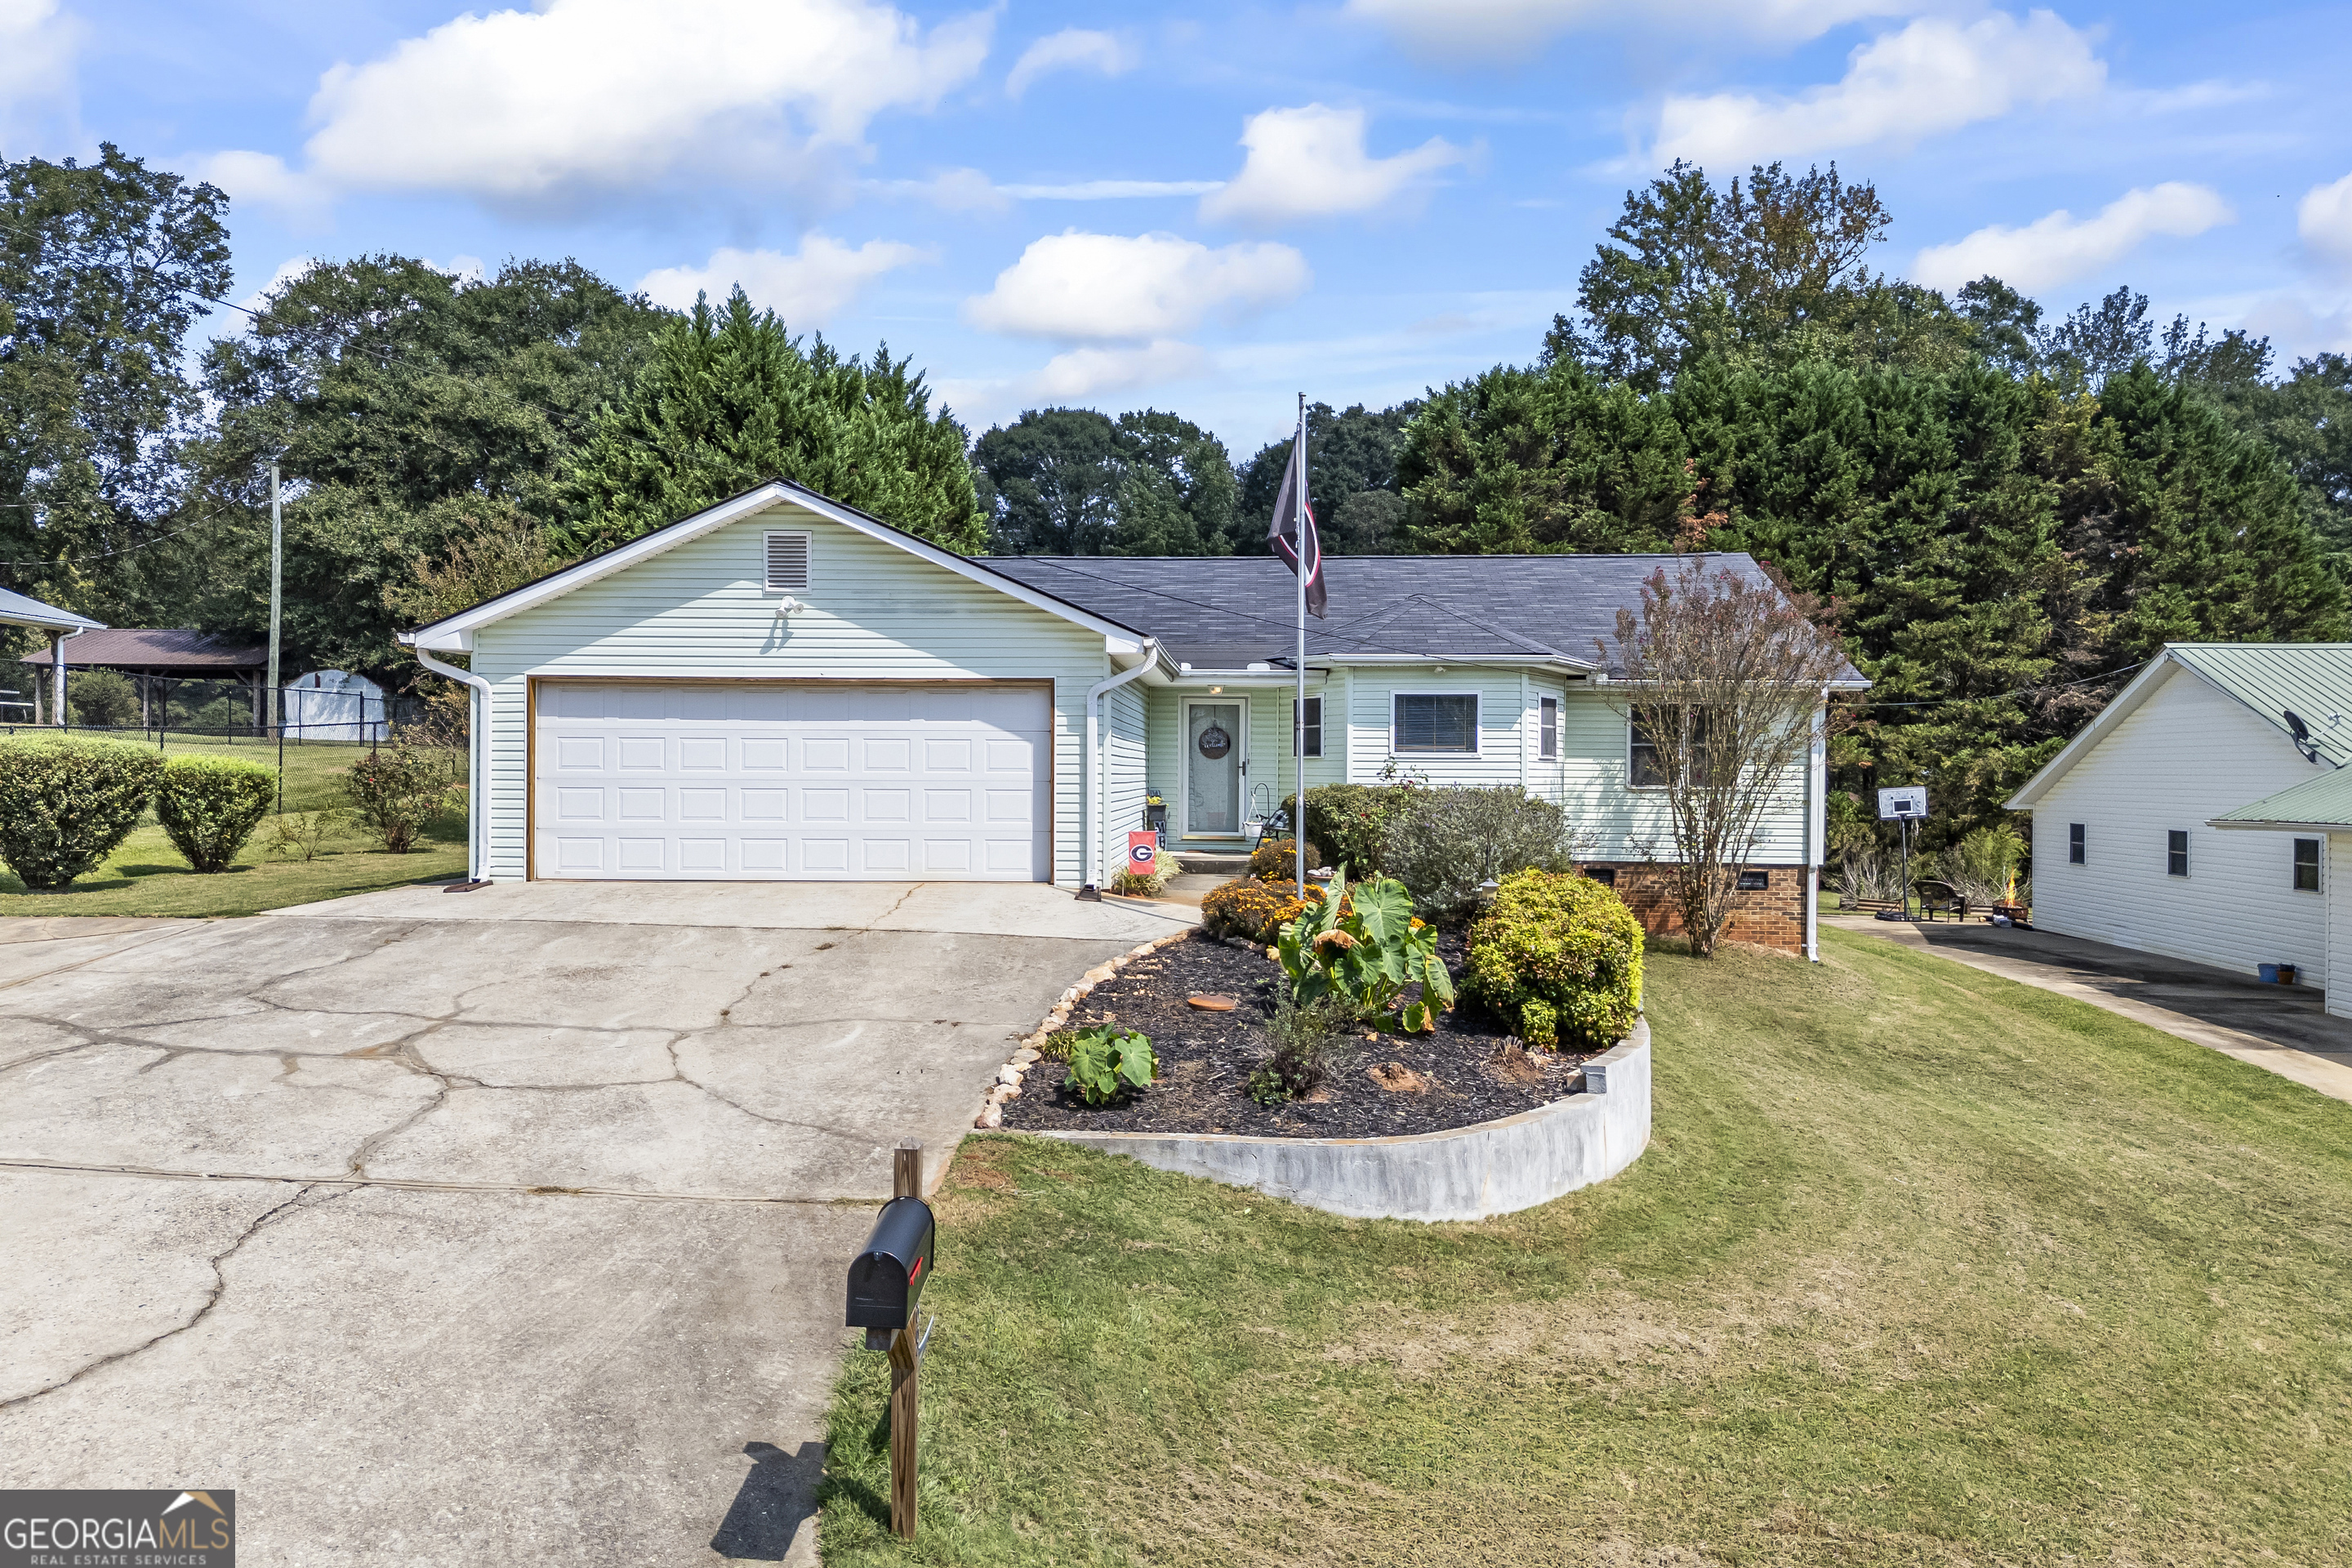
x=2014 y=691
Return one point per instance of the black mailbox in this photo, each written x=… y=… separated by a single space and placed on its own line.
x=887 y=1279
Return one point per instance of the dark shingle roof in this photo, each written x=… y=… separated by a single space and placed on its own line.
x=1225 y=612
x=126 y=648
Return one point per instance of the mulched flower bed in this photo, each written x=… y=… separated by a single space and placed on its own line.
x=1469 y=1069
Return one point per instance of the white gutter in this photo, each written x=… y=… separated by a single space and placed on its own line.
x=478 y=757
x=1098 y=766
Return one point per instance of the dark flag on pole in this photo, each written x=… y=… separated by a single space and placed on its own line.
x=1294 y=516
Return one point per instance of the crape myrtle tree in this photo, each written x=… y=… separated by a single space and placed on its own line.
x=103 y=268
x=1726 y=680
x=728 y=398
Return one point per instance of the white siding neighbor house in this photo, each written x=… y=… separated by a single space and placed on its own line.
x=780 y=688
x=2128 y=844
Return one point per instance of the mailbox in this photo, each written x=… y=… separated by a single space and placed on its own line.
x=886 y=1280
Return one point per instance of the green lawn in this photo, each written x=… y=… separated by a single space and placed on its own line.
x=147 y=877
x=1921 y=1267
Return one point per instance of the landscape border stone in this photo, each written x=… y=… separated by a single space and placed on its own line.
x=1462 y=1174
x=1007 y=1082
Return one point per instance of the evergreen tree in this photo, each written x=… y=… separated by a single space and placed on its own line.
x=1351 y=469
x=727 y=399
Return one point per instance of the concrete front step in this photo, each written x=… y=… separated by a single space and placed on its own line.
x=1197 y=864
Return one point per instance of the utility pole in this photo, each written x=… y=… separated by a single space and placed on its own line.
x=277 y=571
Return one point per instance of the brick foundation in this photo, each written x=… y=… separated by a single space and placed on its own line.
x=1773 y=917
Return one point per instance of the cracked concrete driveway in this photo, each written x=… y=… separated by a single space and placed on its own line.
x=498 y=1226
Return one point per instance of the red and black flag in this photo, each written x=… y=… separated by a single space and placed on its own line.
x=1294 y=521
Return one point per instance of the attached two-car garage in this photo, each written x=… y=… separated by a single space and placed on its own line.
x=660 y=780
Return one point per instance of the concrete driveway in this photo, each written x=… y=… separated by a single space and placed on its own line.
x=499 y=1226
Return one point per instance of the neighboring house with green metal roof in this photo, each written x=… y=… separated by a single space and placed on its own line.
x=2316 y=817
x=2131 y=843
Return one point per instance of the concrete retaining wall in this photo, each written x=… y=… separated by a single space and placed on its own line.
x=1468 y=1173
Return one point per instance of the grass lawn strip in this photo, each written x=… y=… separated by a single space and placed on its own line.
x=1921 y=1267
x=146 y=876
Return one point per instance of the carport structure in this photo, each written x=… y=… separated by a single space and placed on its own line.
x=19 y=610
x=156 y=658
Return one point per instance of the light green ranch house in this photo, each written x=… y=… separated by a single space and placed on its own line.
x=780 y=688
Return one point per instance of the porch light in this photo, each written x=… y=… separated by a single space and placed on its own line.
x=1213 y=690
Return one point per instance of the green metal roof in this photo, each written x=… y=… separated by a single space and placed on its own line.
x=2313 y=678
x=2323 y=802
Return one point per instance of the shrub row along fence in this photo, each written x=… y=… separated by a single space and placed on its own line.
x=68 y=802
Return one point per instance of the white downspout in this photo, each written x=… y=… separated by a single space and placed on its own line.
x=1097 y=765
x=1816 y=826
x=478 y=757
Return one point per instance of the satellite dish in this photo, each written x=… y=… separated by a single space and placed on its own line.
x=2302 y=733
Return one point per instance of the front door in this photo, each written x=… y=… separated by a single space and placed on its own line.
x=1214 y=732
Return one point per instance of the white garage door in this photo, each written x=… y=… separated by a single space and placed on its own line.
x=799 y=781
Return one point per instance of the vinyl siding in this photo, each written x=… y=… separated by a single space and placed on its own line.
x=1124 y=742
x=1589 y=776
x=2187 y=754
x=1270 y=761
x=2336 y=885
x=877 y=613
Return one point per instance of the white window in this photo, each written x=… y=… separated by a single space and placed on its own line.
x=1646 y=761
x=788 y=563
x=1313 y=736
x=1434 y=721
x=1548 y=730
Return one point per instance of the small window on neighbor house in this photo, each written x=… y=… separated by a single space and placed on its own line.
x=1605 y=874
x=1646 y=759
x=788 y=563
x=2176 y=852
x=2073 y=844
x=1313 y=737
x=2307 y=865
x=1547 y=729
x=1755 y=882
x=1435 y=721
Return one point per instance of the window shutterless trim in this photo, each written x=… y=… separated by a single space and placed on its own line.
x=1314 y=726
x=1397 y=697
x=1547 y=729
x=2176 y=852
x=2306 y=876
x=2075 y=848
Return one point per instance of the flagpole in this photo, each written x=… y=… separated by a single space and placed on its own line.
x=1299 y=710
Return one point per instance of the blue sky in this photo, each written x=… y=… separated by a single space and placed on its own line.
x=1212 y=207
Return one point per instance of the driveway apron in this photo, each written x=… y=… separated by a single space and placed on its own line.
x=505 y=1225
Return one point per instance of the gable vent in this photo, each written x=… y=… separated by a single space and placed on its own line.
x=788 y=563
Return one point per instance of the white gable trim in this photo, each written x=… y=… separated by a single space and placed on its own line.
x=456 y=632
x=2127 y=702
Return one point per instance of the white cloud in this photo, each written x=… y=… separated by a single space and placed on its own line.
x=1085 y=372
x=2324 y=219
x=290 y=268
x=263 y=179
x=1311 y=163
x=807 y=288
x=2060 y=247
x=1112 y=190
x=1931 y=77
x=580 y=95
x=1072 y=48
x=38 y=41
x=1507 y=29
x=1110 y=287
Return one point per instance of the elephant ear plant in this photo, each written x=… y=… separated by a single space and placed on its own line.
x=1106 y=1061
x=65 y=804
x=1367 y=946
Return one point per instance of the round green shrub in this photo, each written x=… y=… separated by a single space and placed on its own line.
x=1277 y=859
x=64 y=803
x=1351 y=822
x=1558 y=958
x=210 y=805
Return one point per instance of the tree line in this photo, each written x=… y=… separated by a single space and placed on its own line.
x=2006 y=513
